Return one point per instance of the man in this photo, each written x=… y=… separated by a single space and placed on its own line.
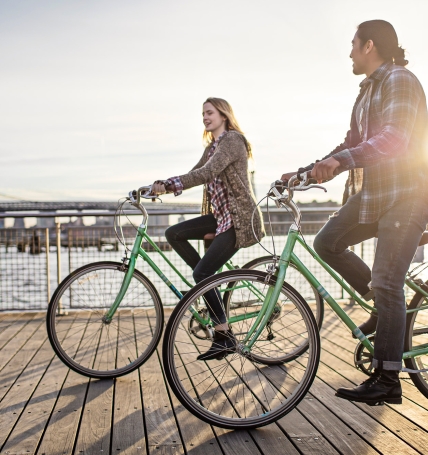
x=385 y=195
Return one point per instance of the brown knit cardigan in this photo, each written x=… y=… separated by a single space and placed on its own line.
x=230 y=163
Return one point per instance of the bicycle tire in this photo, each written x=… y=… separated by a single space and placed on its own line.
x=84 y=341
x=417 y=334
x=295 y=278
x=260 y=394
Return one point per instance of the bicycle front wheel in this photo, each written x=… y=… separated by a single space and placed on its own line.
x=82 y=337
x=298 y=282
x=416 y=336
x=238 y=391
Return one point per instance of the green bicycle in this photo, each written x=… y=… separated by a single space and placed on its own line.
x=105 y=319
x=269 y=371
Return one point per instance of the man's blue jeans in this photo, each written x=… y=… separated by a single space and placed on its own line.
x=399 y=231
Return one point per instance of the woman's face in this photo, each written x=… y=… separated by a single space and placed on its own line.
x=212 y=118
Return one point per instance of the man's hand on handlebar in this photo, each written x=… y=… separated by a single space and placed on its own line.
x=325 y=169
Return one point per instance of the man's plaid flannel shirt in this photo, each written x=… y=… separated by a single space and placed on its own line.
x=394 y=158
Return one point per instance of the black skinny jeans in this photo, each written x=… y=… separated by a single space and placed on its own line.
x=219 y=252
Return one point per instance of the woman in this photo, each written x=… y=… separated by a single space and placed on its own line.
x=227 y=209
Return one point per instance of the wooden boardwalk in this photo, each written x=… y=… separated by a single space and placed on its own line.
x=47 y=409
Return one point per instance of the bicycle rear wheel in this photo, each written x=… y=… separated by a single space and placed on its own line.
x=84 y=340
x=416 y=336
x=238 y=391
x=298 y=282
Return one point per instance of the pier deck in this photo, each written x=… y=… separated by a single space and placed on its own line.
x=47 y=409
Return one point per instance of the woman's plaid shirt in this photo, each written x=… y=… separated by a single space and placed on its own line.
x=218 y=195
x=393 y=157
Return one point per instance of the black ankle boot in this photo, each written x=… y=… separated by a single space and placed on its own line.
x=369 y=326
x=224 y=343
x=383 y=386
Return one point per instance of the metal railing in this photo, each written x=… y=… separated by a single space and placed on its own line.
x=33 y=261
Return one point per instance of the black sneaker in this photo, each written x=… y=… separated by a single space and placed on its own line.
x=224 y=343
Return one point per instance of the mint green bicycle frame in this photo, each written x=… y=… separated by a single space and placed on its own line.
x=138 y=251
x=280 y=274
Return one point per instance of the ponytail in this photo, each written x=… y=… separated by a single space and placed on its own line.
x=399 y=57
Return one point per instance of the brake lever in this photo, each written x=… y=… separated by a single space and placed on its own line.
x=306 y=188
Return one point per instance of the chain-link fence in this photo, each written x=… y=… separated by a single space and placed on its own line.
x=32 y=265
x=24 y=268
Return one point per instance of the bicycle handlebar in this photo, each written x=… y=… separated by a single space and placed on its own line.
x=135 y=197
x=304 y=184
x=279 y=186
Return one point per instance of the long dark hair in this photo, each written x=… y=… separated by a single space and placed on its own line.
x=385 y=39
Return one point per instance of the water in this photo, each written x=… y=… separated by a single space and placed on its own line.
x=23 y=283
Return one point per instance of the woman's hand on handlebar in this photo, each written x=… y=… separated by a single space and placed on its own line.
x=287 y=176
x=158 y=187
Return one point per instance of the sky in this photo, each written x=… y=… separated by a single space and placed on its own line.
x=100 y=97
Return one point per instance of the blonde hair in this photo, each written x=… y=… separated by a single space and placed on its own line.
x=225 y=110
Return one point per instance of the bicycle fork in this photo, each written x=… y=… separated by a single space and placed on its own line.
x=108 y=317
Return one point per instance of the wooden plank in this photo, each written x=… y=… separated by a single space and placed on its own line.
x=199 y=436
x=128 y=424
x=162 y=431
x=17 y=337
x=12 y=325
x=94 y=434
x=304 y=435
x=26 y=434
x=20 y=358
x=236 y=442
x=271 y=440
x=60 y=435
x=15 y=400
x=390 y=416
x=380 y=437
x=341 y=436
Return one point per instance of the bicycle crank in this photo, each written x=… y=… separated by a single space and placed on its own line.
x=363 y=358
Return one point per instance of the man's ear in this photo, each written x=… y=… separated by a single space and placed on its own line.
x=369 y=46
